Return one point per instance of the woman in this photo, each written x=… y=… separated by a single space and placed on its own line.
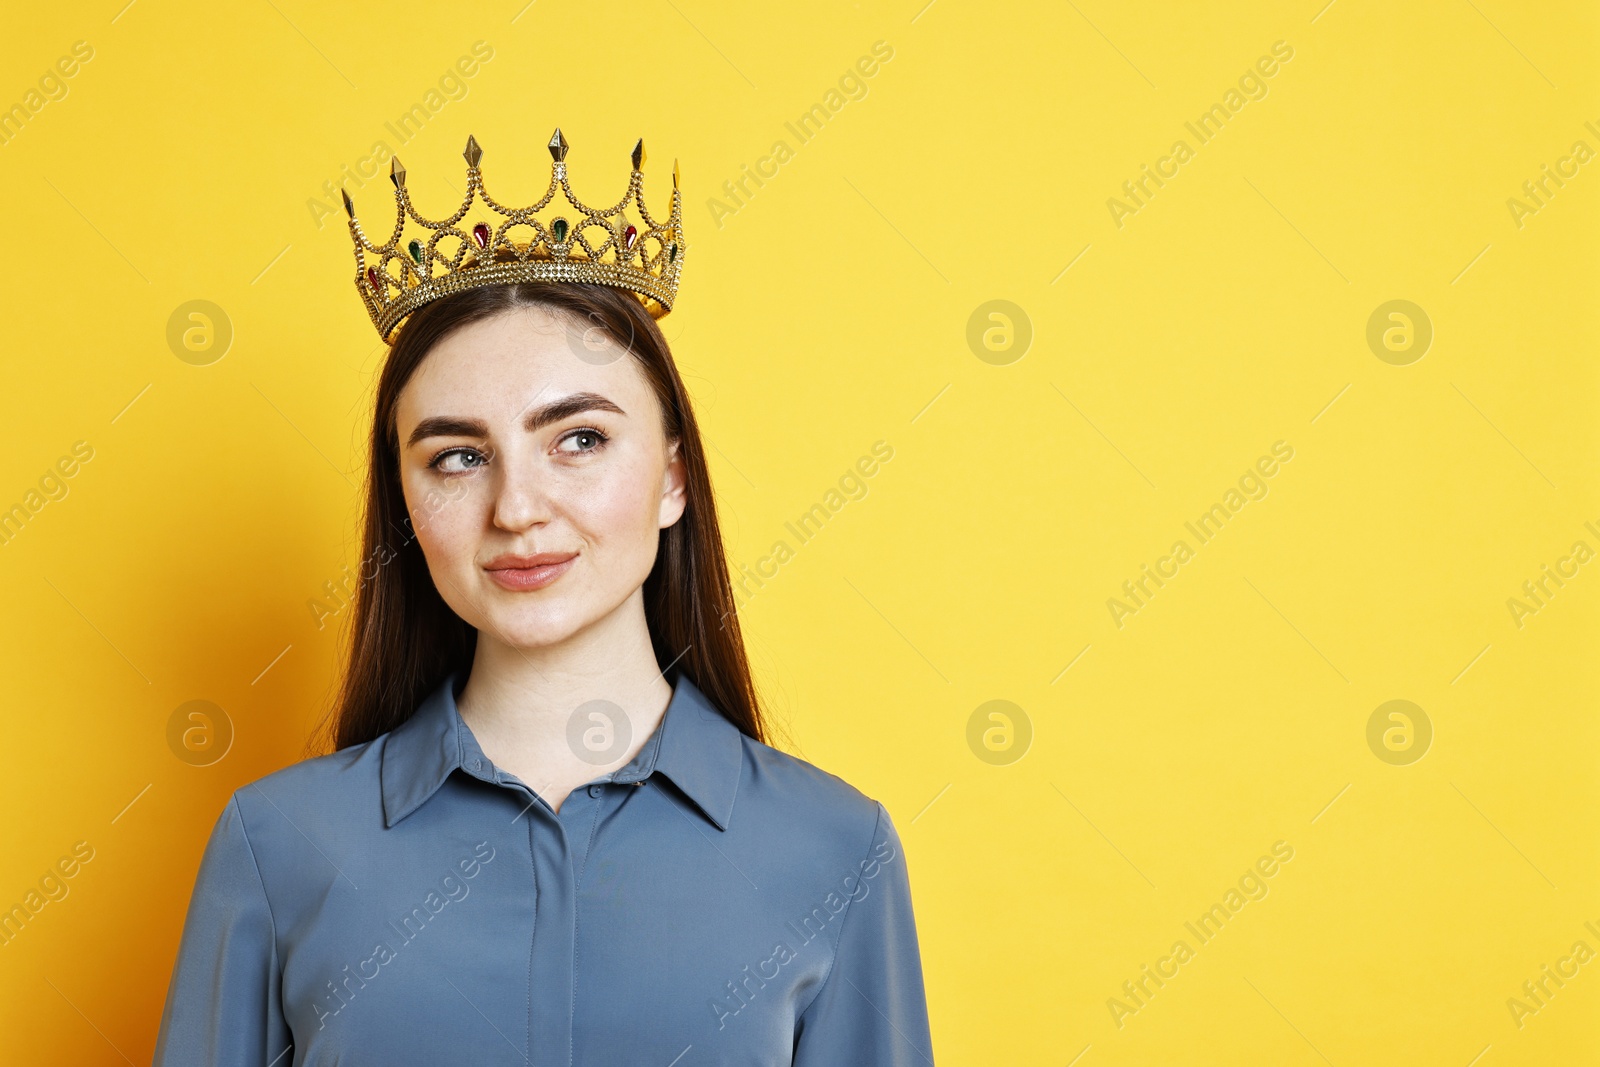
x=551 y=832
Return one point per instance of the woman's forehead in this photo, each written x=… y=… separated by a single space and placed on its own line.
x=534 y=334
x=518 y=359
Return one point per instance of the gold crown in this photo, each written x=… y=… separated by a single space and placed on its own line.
x=596 y=245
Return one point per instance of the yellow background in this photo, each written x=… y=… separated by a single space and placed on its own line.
x=828 y=312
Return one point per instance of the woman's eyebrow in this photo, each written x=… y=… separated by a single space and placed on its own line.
x=555 y=411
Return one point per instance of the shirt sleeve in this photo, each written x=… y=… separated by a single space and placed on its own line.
x=872 y=1008
x=223 y=1005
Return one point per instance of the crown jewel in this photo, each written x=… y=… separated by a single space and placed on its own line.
x=621 y=245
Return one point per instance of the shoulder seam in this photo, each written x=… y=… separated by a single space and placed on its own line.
x=262 y=882
x=835 y=780
x=839 y=939
x=738 y=778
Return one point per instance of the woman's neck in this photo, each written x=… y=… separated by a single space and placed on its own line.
x=558 y=716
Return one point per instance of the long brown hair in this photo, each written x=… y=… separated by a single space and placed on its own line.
x=403 y=639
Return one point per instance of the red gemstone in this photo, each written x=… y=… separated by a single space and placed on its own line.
x=372 y=278
x=629 y=236
x=480 y=234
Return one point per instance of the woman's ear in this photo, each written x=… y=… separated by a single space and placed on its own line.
x=674 y=486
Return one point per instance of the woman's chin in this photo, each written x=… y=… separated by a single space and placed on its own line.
x=531 y=630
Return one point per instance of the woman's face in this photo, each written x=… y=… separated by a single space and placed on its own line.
x=537 y=481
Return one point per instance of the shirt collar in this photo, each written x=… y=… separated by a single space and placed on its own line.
x=695 y=745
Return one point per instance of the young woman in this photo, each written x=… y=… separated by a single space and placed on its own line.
x=551 y=833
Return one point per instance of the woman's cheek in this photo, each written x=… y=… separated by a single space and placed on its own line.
x=444 y=520
x=624 y=503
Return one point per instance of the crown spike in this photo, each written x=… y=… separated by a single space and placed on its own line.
x=397 y=173
x=473 y=153
x=349 y=208
x=638 y=154
x=674 y=175
x=558 y=146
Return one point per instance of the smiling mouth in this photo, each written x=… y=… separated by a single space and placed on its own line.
x=522 y=573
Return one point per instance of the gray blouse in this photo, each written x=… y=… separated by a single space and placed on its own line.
x=403 y=901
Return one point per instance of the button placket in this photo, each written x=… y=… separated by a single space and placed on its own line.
x=552 y=967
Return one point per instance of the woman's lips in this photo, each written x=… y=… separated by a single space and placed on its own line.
x=520 y=575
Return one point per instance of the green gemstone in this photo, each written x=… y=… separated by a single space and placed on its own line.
x=672 y=253
x=559 y=228
x=415 y=248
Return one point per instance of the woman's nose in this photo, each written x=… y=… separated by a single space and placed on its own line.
x=520 y=499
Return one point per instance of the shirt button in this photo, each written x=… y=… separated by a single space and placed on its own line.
x=594 y=790
x=476 y=764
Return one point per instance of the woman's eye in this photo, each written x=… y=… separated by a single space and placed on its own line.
x=587 y=441
x=457 y=460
